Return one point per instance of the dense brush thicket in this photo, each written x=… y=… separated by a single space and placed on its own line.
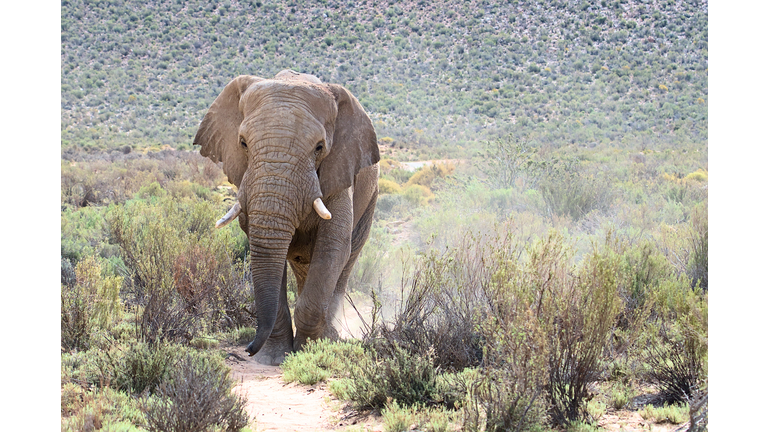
x=511 y=326
x=544 y=331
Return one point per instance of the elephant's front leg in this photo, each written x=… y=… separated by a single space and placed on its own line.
x=329 y=256
x=280 y=342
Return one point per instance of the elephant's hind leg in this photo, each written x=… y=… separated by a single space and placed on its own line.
x=280 y=342
x=359 y=237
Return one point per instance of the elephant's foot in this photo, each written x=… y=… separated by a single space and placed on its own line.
x=274 y=351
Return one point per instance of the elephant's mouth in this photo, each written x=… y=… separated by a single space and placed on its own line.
x=234 y=212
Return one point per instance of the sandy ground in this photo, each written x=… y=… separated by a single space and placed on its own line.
x=277 y=406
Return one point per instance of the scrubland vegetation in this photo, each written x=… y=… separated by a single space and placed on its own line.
x=534 y=287
x=553 y=271
x=436 y=77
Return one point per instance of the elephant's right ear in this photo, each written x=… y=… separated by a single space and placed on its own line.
x=218 y=132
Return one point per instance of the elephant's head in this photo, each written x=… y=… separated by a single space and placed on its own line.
x=286 y=143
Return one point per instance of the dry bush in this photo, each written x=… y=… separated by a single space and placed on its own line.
x=698 y=242
x=194 y=273
x=587 y=308
x=195 y=397
x=515 y=377
x=538 y=326
x=676 y=369
x=699 y=411
x=441 y=304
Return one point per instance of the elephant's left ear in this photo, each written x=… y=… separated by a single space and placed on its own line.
x=354 y=144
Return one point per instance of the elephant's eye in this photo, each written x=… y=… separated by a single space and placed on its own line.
x=242 y=143
x=319 y=147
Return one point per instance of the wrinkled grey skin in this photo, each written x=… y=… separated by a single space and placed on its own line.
x=285 y=142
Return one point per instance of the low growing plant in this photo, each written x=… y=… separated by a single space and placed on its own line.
x=394 y=374
x=99 y=409
x=673 y=413
x=195 y=397
x=323 y=359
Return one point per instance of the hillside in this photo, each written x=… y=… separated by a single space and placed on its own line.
x=630 y=73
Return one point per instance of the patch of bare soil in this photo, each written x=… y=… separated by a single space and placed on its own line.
x=413 y=166
x=631 y=421
x=277 y=406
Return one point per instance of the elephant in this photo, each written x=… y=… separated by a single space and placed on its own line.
x=305 y=159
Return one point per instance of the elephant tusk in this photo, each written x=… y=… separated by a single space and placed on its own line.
x=230 y=216
x=320 y=209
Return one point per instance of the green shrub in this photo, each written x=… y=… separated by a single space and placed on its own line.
x=152 y=190
x=83 y=233
x=698 y=246
x=645 y=269
x=99 y=409
x=698 y=176
x=204 y=342
x=391 y=206
x=92 y=302
x=142 y=367
x=322 y=359
x=673 y=413
x=575 y=194
x=619 y=396
x=398 y=419
x=595 y=410
x=245 y=334
x=677 y=347
x=394 y=374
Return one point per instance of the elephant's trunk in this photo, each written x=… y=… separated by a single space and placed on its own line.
x=269 y=247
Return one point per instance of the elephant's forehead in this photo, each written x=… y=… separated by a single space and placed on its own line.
x=314 y=97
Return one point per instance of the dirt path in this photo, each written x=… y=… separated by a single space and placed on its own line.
x=277 y=406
